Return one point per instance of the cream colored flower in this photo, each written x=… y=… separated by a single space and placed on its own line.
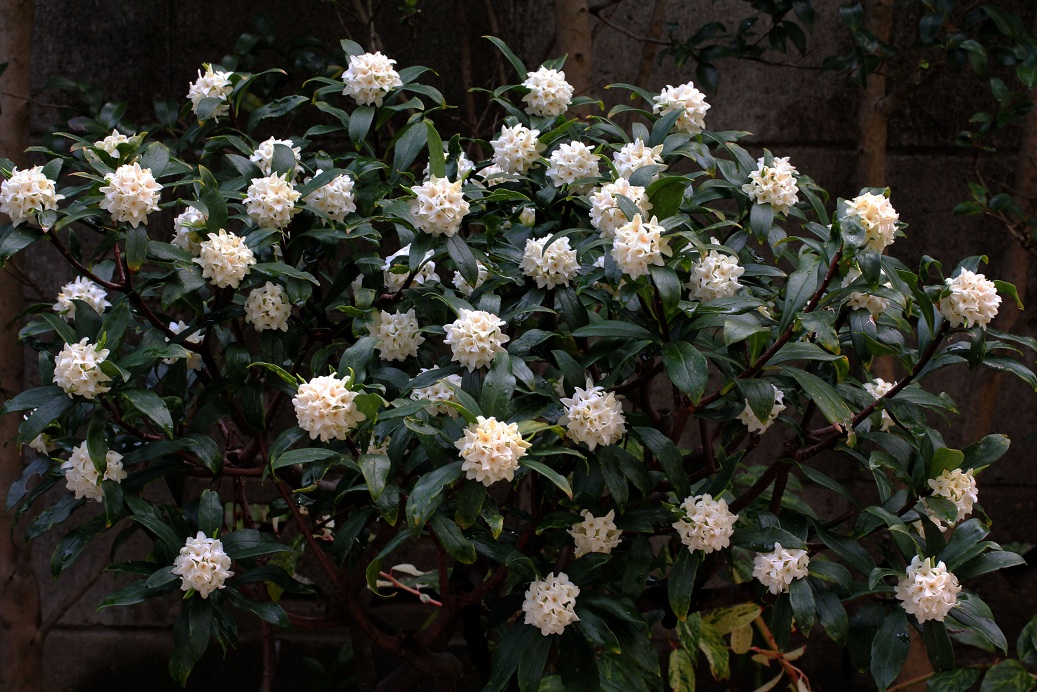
x=878 y=217
x=325 y=408
x=465 y=288
x=81 y=476
x=203 y=565
x=516 y=149
x=267 y=307
x=188 y=228
x=707 y=524
x=475 y=338
x=270 y=202
x=775 y=185
x=550 y=604
x=549 y=94
x=131 y=194
x=959 y=487
x=570 y=162
x=27 y=193
x=490 y=450
x=928 y=592
x=465 y=165
x=77 y=370
x=876 y=305
x=528 y=216
x=394 y=282
x=263 y=156
x=606 y=215
x=225 y=259
x=878 y=389
x=194 y=360
x=439 y=206
x=495 y=175
x=690 y=101
x=110 y=144
x=640 y=244
x=754 y=424
x=213 y=84
x=335 y=198
x=438 y=395
x=398 y=334
x=81 y=289
x=593 y=417
x=370 y=78
x=636 y=155
x=715 y=276
x=973 y=300
x=779 y=568
x=552 y=265
x=595 y=534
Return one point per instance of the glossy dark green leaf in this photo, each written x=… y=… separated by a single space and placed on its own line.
x=687 y=368
x=889 y=649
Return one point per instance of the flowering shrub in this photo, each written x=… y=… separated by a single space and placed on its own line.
x=610 y=357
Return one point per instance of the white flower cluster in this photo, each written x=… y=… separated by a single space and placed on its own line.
x=878 y=389
x=398 y=335
x=335 y=198
x=369 y=78
x=754 y=424
x=213 y=84
x=640 y=244
x=325 y=408
x=959 y=487
x=394 y=282
x=465 y=165
x=570 y=162
x=131 y=194
x=876 y=305
x=465 y=288
x=263 y=156
x=549 y=94
x=491 y=450
x=439 y=206
x=715 y=276
x=194 y=360
x=475 y=338
x=225 y=259
x=973 y=300
x=556 y=264
x=267 y=307
x=438 y=394
x=606 y=216
x=550 y=603
x=774 y=185
x=780 y=567
x=690 y=101
x=202 y=565
x=593 y=417
x=110 y=144
x=636 y=155
x=595 y=534
x=81 y=289
x=707 y=524
x=928 y=592
x=878 y=217
x=270 y=201
x=77 y=370
x=188 y=228
x=528 y=216
x=27 y=192
x=81 y=476
x=516 y=150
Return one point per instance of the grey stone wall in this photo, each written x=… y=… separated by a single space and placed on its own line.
x=138 y=51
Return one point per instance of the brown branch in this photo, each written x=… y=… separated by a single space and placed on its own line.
x=596 y=11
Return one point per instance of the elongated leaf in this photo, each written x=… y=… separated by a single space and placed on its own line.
x=550 y=474
x=801 y=286
x=375 y=468
x=889 y=648
x=681 y=582
x=616 y=330
x=151 y=406
x=245 y=543
x=210 y=513
x=452 y=539
x=428 y=492
x=687 y=368
x=828 y=401
x=520 y=69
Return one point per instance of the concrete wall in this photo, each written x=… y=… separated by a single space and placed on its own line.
x=148 y=49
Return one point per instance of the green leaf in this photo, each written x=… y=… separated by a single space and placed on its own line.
x=945 y=459
x=715 y=649
x=266 y=611
x=245 y=543
x=938 y=645
x=375 y=468
x=360 y=123
x=616 y=330
x=1007 y=676
x=408 y=144
x=682 y=671
x=71 y=546
x=452 y=539
x=190 y=638
x=681 y=582
x=210 y=512
x=44 y=415
x=463 y=258
x=687 y=368
x=550 y=474
x=828 y=401
x=803 y=607
x=508 y=655
x=799 y=289
x=150 y=405
x=15 y=239
x=307 y=455
x=213 y=200
x=727 y=620
x=958 y=680
x=832 y=614
x=436 y=160
x=669 y=458
x=498 y=388
x=275 y=109
x=285 y=376
x=889 y=648
x=155 y=158
x=511 y=57
x=427 y=494
x=979 y=455
x=989 y=562
x=972 y=612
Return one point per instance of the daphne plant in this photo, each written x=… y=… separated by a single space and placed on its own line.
x=582 y=370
